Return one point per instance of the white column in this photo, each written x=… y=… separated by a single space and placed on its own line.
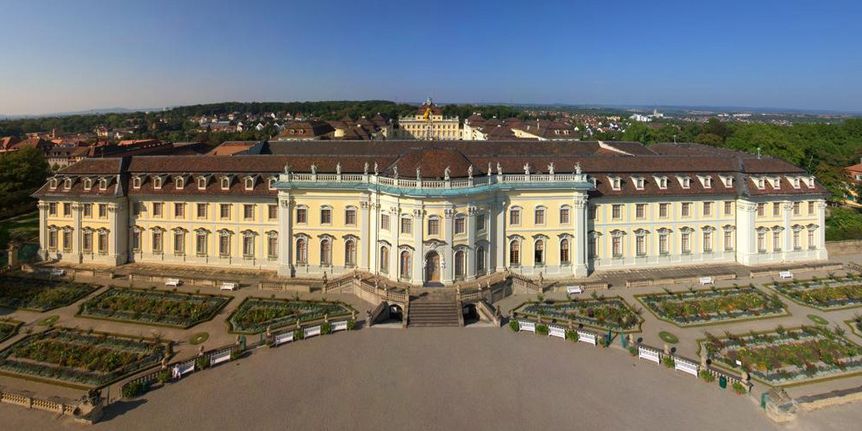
x=43 y=230
x=446 y=258
x=821 y=230
x=418 y=234
x=746 y=243
x=374 y=235
x=578 y=248
x=396 y=242
x=471 y=241
x=498 y=235
x=364 y=245
x=285 y=235
x=77 y=233
x=115 y=236
x=787 y=246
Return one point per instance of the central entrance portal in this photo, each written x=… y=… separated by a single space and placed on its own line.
x=432 y=267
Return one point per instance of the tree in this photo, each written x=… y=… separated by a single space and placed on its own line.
x=21 y=173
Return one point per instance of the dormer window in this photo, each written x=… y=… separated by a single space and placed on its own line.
x=249 y=183
x=271 y=183
x=684 y=182
x=706 y=182
x=179 y=182
x=776 y=183
x=67 y=184
x=88 y=184
x=157 y=183
x=795 y=182
x=616 y=182
x=103 y=184
x=639 y=182
x=225 y=183
x=202 y=183
x=727 y=180
x=760 y=183
x=662 y=182
x=52 y=183
x=809 y=181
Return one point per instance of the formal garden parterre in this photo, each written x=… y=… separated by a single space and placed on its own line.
x=8 y=328
x=713 y=306
x=826 y=294
x=80 y=359
x=40 y=295
x=153 y=307
x=611 y=313
x=256 y=315
x=786 y=356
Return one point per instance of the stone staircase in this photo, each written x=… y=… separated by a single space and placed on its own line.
x=435 y=310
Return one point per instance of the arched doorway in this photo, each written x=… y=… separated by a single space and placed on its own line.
x=432 y=267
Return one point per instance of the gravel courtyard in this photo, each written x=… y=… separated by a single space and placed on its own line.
x=436 y=379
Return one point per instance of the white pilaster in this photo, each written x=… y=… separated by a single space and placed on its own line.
x=285 y=235
x=746 y=243
x=579 y=244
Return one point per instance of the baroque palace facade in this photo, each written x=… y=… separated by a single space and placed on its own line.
x=436 y=212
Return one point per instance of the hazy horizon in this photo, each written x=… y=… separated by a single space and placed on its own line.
x=90 y=55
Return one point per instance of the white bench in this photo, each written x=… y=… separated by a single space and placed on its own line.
x=227 y=285
x=574 y=290
x=57 y=271
x=173 y=282
x=785 y=275
x=706 y=281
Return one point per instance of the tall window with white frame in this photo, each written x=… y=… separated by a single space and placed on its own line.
x=728 y=239
x=179 y=242
x=664 y=242
x=812 y=241
x=301 y=251
x=539 y=253
x=776 y=240
x=539 y=216
x=707 y=241
x=515 y=253
x=224 y=243
x=405 y=265
x=565 y=215
x=248 y=245
x=350 y=252
x=480 y=260
x=685 y=241
x=761 y=241
x=460 y=258
x=384 y=259
x=640 y=244
x=350 y=216
x=617 y=245
x=157 y=241
x=326 y=215
x=201 y=240
x=326 y=252
x=515 y=216
x=406 y=225
x=565 y=257
x=797 y=245
x=433 y=226
x=103 y=241
x=272 y=245
x=460 y=224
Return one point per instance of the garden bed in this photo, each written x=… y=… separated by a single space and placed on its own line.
x=80 y=359
x=612 y=314
x=255 y=315
x=8 y=328
x=787 y=356
x=153 y=307
x=826 y=294
x=712 y=306
x=40 y=295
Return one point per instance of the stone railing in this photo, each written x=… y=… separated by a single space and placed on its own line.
x=422 y=183
x=27 y=401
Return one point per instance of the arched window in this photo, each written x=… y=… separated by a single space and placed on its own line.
x=515 y=252
x=384 y=259
x=249 y=183
x=539 y=252
x=248 y=244
x=325 y=252
x=225 y=183
x=202 y=183
x=564 y=252
x=459 y=263
x=201 y=245
x=179 y=182
x=480 y=259
x=406 y=264
x=301 y=251
x=224 y=243
x=272 y=244
x=350 y=252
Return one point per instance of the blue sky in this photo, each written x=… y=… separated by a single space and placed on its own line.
x=73 y=55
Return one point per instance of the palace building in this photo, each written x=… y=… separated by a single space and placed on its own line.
x=429 y=124
x=436 y=211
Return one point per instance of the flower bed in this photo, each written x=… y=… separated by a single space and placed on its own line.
x=8 y=328
x=40 y=295
x=77 y=358
x=785 y=357
x=153 y=307
x=604 y=313
x=254 y=315
x=710 y=306
x=828 y=294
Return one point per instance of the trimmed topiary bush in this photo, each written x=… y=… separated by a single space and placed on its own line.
x=514 y=325
x=326 y=328
x=572 y=335
x=668 y=361
x=739 y=388
x=706 y=376
x=542 y=329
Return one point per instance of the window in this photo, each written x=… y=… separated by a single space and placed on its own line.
x=639 y=183
x=301 y=251
x=797 y=243
x=480 y=259
x=248 y=245
x=565 y=258
x=384 y=259
x=685 y=182
x=663 y=243
x=707 y=241
x=224 y=243
x=662 y=210
x=88 y=210
x=52 y=238
x=201 y=246
x=157 y=209
x=776 y=209
x=810 y=207
x=640 y=245
x=406 y=225
x=685 y=242
x=515 y=253
x=202 y=183
x=707 y=209
x=539 y=215
x=224 y=211
x=179 y=242
x=728 y=240
x=301 y=215
x=460 y=225
x=179 y=210
x=67 y=240
x=326 y=252
x=136 y=240
x=87 y=241
x=179 y=182
x=728 y=207
x=225 y=183
x=797 y=208
x=157 y=242
x=761 y=242
x=564 y=215
x=350 y=252
x=202 y=210
x=136 y=182
x=326 y=215
x=662 y=182
x=593 y=247
x=640 y=211
x=67 y=209
x=761 y=207
x=515 y=216
x=686 y=209
x=103 y=242
x=405 y=264
x=776 y=240
x=350 y=216
x=248 y=211
x=539 y=253
x=812 y=242
x=249 y=183
x=616 y=211
x=616 y=182
x=67 y=184
x=433 y=226
x=272 y=211
x=103 y=211
x=157 y=183
x=459 y=263
x=480 y=222
x=52 y=208
x=88 y=184
x=272 y=245
x=271 y=183
x=617 y=246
